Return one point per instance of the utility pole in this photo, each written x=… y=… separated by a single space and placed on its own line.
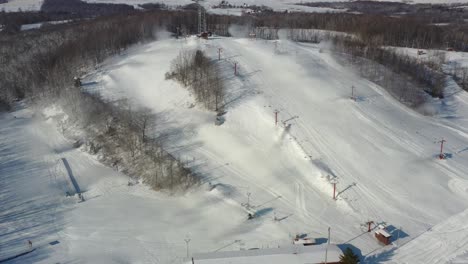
x=276 y=117
x=441 y=155
x=326 y=249
x=187 y=240
x=334 y=189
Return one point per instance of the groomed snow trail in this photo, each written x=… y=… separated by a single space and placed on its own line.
x=439 y=244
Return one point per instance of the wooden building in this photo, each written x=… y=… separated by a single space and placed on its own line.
x=383 y=236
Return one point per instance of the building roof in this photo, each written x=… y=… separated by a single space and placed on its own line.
x=383 y=232
x=300 y=241
x=294 y=254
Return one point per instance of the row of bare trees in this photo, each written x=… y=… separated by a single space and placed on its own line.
x=460 y=74
x=195 y=70
x=128 y=139
x=405 y=77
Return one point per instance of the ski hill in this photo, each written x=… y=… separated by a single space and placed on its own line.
x=382 y=156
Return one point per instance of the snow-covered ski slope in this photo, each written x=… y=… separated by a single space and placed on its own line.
x=383 y=155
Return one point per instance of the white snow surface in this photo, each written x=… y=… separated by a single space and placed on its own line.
x=23 y=5
x=297 y=254
x=382 y=154
x=30 y=26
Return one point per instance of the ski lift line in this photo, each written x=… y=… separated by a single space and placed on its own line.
x=371 y=209
x=296 y=137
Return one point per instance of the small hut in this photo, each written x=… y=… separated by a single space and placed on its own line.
x=383 y=236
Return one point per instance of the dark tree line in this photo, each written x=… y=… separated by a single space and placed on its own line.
x=84 y=9
x=195 y=70
x=436 y=13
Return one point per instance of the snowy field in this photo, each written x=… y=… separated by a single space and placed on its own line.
x=23 y=5
x=382 y=154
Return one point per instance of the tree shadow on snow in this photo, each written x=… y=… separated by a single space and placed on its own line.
x=321 y=240
x=356 y=250
x=397 y=234
x=379 y=258
x=263 y=212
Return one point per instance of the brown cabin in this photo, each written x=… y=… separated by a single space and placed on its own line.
x=383 y=236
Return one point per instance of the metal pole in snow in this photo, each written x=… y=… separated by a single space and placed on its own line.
x=219 y=53
x=334 y=190
x=328 y=243
x=276 y=117
x=187 y=240
x=441 y=155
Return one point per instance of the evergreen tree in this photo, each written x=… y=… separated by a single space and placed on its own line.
x=349 y=257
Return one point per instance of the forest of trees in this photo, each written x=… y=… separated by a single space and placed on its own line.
x=195 y=70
